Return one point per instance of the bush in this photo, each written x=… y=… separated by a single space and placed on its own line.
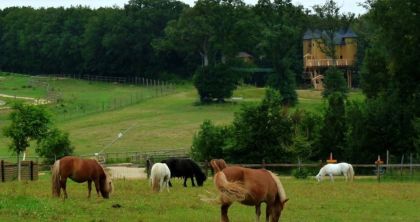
x=301 y=173
x=209 y=142
x=215 y=82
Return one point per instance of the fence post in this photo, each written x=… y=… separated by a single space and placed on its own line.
x=263 y=164
x=378 y=167
x=401 y=166
x=2 y=171
x=411 y=165
x=387 y=160
x=31 y=169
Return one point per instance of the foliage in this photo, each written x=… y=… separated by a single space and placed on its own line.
x=209 y=142
x=332 y=134
x=28 y=123
x=215 y=82
x=301 y=173
x=261 y=132
x=302 y=147
x=375 y=78
x=334 y=82
x=55 y=145
x=282 y=26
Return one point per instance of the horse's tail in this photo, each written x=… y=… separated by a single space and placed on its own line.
x=280 y=190
x=55 y=171
x=230 y=191
x=154 y=178
x=351 y=172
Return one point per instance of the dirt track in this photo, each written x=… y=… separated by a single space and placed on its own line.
x=123 y=172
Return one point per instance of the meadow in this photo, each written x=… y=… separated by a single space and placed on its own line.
x=362 y=200
x=164 y=122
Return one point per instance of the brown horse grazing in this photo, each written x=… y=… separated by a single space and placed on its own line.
x=80 y=170
x=250 y=187
x=218 y=165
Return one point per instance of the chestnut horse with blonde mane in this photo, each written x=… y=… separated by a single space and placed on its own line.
x=249 y=187
x=80 y=170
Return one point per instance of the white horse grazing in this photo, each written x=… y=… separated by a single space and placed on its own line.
x=159 y=176
x=336 y=169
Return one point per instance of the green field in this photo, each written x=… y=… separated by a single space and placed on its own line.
x=362 y=200
x=164 y=122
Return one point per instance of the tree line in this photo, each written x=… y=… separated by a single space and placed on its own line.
x=354 y=131
x=168 y=39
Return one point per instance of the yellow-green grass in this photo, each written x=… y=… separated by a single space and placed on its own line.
x=165 y=122
x=362 y=200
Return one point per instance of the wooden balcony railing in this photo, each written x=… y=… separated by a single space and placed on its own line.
x=327 y=62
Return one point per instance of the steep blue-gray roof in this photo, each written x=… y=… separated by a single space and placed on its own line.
x=339 y=36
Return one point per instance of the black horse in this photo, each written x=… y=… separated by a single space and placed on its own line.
x=185 y=168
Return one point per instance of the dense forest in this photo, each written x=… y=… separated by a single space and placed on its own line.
x=167 y=39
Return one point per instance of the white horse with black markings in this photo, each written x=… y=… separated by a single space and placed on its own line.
x=331 y=169
x=160 y=176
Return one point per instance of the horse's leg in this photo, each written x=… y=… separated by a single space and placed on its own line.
x=224 y=211
x=89 y=187
x=331 y=177
x=257 y=212
x=185 y=181
x=63 y=186
x=161 y=182
x=192 y=181
x=96 y=181
x=267 y=213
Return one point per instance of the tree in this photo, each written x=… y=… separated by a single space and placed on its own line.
x=281 y=29
x=333 y=131
x=262 y=132
x=375 y=78
x=215 y=82
x=28 y=123
x=334 y=83
x=209 y=141
x=54 y=145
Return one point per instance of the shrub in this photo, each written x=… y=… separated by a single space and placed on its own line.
x=301 y=173
x=215 y=82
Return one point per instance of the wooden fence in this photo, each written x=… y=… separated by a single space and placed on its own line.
x=9 y=171
x=138 y=157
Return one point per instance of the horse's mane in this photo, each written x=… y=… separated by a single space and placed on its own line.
x=280 y=188
x=108 y=180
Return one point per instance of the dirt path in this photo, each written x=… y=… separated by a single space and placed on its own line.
x=34 y=101
x=122 y=172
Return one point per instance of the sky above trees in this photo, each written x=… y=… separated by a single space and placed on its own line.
x=346 y=5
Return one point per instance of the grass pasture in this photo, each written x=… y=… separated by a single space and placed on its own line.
x=362 y=200
x=165 y=122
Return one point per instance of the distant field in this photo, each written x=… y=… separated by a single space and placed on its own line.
x=158 y=123
x=362 y=200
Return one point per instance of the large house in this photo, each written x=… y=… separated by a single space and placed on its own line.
x=316 y=61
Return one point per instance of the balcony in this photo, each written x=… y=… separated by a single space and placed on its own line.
x=313 y=63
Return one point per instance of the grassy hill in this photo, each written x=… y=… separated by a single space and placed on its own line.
x=163 y=122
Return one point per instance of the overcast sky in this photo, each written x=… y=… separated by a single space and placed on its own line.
x=346 y=5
